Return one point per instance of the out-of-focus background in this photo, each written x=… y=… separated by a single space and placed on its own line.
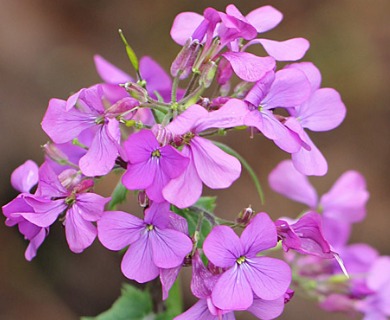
x=46 y=50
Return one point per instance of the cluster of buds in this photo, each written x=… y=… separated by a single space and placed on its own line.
x=158 y=136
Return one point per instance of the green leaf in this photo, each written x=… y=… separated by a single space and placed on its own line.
x=130 y=52
x=207 y=203
x=246 y=165
x=133 y=304
x=118 y=196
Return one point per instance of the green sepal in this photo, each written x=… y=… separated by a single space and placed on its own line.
x=118 y=196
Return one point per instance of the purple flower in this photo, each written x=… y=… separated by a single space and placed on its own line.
x=64 y=125
x=342 y=205
x=285 y=88
x=207 y=163
x=153 y=244
x=23 y=179
x=151 y=166
x=247 y=274
x=304 y=236
x=67 y=196
x=323 y=111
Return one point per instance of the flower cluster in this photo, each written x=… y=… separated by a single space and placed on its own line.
x=155 y=130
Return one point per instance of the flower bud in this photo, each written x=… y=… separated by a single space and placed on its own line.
x=245 y=216
x=136 y=91
x=185 y=59
x=55 y=154
x=143 y=199
x=208 y=73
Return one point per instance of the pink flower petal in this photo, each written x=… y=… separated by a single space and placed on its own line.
x=268 y=277
x=259 y=235
x=222 y=246
x=311 y=71
x=288 y=50
x=264 y=18
x=184 y=25
x=118 y=229
x=346 y=200
x=232 y=291
x=46 y=211
x=169 y=247
x=267 y=309
x=289 y=182
x=249 y=67
x=110 y=73
x=140 y=176
x=216 y=168
x=323 y=111
x=24 y=177
x=79 y=233
x=186 y=189
x=187 y=120
x=90 y=205
x=137 y=263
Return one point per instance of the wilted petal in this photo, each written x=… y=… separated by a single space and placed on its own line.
x=249 y=67
x=268 y=277
x=259 y=235
x=137 y=263
x=232 y=291
x=168 y=278
x=323 y=111
x=117 y=229
x=79 y=233
x=289 y=182
x=216 y=168
x=346 y=200
x=264 y=18
x=222 y=246
x=110 y=73
x=24 y=177
x=184 y=25
x=169 y=247
x=267 y=309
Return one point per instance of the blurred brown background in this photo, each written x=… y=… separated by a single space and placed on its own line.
x=46 y=50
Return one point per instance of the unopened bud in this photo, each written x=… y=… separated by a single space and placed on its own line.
x=69 y=178
x=143 y=199
x=185 y=59
x=55 y=154
x=208 y=73
x=245 y=216
x=136 y=91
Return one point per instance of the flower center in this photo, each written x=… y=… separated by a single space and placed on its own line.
x=150 y=227
x=188 y=137
x=156 y=153
x=241 y=260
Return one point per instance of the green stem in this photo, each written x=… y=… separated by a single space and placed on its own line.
x=246 y=165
